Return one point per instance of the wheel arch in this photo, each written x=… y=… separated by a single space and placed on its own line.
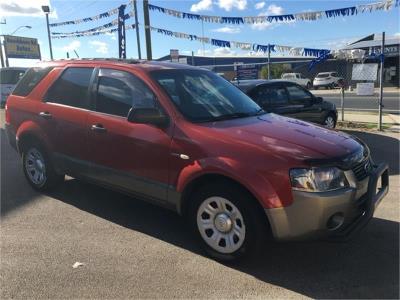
x=204 y=179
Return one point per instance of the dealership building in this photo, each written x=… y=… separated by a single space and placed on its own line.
x=228 y=65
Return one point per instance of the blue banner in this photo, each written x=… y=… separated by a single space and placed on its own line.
x=121 y=32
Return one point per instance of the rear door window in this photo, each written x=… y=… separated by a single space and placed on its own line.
x=119 y=91
x=30 y=80
x=71 y=88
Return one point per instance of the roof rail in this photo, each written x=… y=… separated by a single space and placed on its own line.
x=123 y=60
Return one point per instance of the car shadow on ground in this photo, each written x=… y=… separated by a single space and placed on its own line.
x=366 y=267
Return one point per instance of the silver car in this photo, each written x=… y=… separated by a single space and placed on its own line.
x=8 y=80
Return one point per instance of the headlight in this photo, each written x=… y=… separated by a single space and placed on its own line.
x=318 y=179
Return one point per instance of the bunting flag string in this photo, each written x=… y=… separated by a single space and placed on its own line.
x=245 y=46
x=304 y=16
x=84 y=20
x=92 y=33
x=98 y=28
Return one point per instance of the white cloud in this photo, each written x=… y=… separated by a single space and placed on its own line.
x=262 y=26
x=271 y=10
x=112 y=35
x=229 y=4
x=259 y=5
x=74 y=45
x=221 y=51
x=202 y=5
x=101 y=47
x=227 y=29
x=25 y=8
x=275 y=10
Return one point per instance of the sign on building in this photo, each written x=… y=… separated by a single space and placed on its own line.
x=368 y=72
x=245 y=72
x=21 y=47
x=174 y=54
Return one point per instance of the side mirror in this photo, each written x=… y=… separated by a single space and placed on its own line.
x=152 y=116
x=318 y=100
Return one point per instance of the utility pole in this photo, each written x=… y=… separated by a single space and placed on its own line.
x=137 y=29
x=1 y=53
x=147 y=28
x=46 y=10
x=269 y=61
x=382 y=56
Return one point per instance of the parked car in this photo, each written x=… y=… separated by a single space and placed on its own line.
x=328 y=80
x=297 y=78
x=8 y=79
x=290 y=99
x=187 y=139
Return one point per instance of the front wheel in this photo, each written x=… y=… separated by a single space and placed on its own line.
x=38 y=168
x=330 y=121
x=226 y=221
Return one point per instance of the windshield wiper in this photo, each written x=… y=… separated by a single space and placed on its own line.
x=227 y=117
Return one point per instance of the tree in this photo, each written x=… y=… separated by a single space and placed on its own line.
x=276 y=71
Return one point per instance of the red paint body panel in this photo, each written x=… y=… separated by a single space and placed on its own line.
x=257 y=152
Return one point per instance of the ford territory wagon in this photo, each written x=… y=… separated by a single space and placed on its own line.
x=187 y=139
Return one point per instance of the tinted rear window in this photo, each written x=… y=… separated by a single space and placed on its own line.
x=30 y=80
x=72 y=88
x=10 y=76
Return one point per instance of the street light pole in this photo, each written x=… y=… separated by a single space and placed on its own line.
x=46 y=10
x=24 y=26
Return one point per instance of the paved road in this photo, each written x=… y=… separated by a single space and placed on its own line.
x=134 y=250
x=391 y=101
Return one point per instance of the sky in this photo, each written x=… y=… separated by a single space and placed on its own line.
x=330 y=33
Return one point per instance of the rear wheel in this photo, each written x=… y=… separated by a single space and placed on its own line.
x=226 y=221
x=308 y=85
x=38 y=168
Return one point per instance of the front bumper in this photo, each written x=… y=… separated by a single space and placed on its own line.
x=310 y=215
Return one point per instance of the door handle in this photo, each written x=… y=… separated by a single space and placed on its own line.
x=98 y=127
x=45 y=115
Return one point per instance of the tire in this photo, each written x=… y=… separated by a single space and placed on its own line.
x=230 y=215
x=330 y=121
x=315 y=88
x=308 y=86
x=38 y=169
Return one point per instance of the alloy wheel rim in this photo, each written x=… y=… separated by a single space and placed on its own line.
x=35 y=167
x=329 y=122
x=221 y=225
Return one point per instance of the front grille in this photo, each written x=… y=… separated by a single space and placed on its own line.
x=362 y=169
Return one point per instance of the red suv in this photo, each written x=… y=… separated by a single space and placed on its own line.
x=189 y=140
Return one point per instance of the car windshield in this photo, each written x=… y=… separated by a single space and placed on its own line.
x=323 y=75
x=202 y=96
x=10 y=76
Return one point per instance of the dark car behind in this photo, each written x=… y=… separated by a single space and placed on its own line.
x=9 y=78
x=290 y=99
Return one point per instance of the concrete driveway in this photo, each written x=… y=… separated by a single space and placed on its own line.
x=131 y=249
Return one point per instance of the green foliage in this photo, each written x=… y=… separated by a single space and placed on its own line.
x=276 y=71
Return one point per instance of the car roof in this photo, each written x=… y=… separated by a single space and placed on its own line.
x=247 y=85
x=145 y=65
